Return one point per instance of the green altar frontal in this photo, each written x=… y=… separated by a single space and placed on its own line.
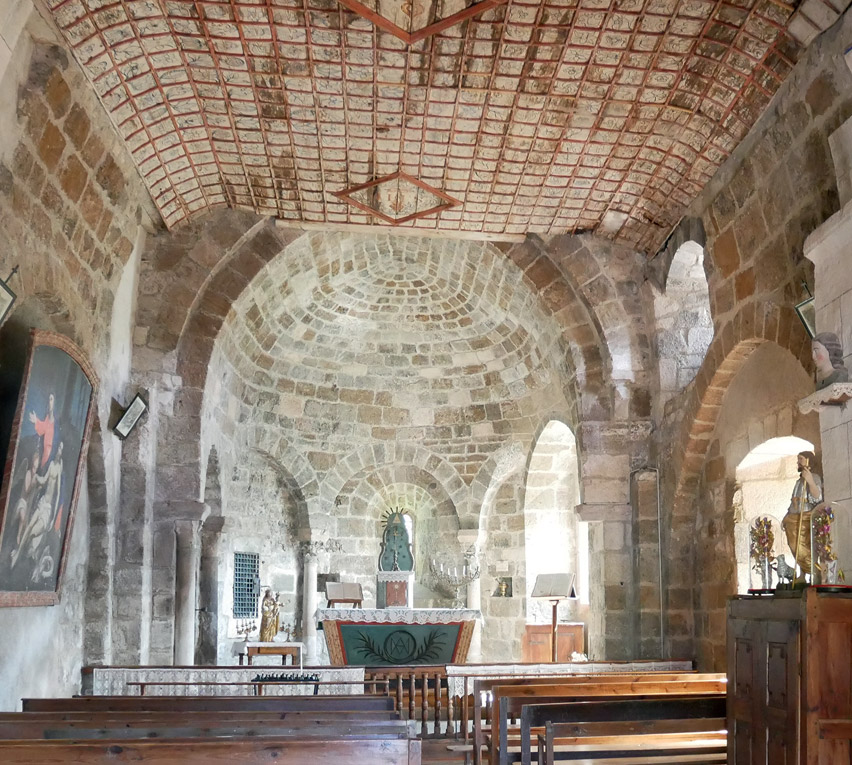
x=393 y=636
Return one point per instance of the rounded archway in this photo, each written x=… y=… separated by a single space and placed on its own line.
x=765 y=478
x=554 y=540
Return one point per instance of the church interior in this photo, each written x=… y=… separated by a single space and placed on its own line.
x=531 y=285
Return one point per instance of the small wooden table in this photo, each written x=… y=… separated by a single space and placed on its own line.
x=283 y=650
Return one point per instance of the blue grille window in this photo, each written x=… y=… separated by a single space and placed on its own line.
x=246 y=585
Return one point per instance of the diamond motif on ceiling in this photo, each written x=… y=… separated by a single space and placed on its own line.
x=413 y=20
x=397 y=198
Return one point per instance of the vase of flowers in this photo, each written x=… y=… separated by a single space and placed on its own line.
x=762 y=540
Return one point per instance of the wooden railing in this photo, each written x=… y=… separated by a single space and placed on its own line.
x=419 y=692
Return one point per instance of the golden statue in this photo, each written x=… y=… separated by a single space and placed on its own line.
x=807 y=495
x=268 y=617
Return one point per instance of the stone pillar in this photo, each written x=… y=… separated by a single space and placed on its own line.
x=309 y=607
x=469 y=539
x=187 y=560
x=207 y=637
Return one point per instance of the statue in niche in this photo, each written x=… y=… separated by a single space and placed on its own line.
x=269 y=607
x=827 y=354
x=807 y=495
x=396 y=552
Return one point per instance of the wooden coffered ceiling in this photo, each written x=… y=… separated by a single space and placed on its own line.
x=534 y=115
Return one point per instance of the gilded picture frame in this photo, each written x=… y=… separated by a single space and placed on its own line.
x=41 y=479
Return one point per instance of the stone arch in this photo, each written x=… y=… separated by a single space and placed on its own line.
x=298 y=474
x=690 y=229
x=182 y=326
x=500 y=465
x=365 y=461
x=755 y=324
x=763 y=479
x=580 y=326
x=682 y=320
x=608 y=278
x=552 y=542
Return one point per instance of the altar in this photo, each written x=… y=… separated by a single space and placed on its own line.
x=393 y=636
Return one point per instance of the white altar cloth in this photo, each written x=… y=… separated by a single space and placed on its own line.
x=398 y=615
x=115 y=681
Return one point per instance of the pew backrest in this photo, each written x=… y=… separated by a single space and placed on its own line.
x=180 y=704
x=509 y=699
x=567 y=716
x=246 y=751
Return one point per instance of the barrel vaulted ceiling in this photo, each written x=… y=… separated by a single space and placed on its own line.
x=498 y=117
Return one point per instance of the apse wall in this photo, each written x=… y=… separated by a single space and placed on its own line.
x=383 y=371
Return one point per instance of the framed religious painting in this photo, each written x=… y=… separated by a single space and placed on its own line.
x=44 y=461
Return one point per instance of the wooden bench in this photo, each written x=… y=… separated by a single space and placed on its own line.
x=190 y=727
x=508 y=700
x=200 y=730
x=179 y=704
x=483 y=696
x=246 y=751
x=665 y=729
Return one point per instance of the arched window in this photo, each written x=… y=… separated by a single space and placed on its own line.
x=555 y=541
x=684 y=328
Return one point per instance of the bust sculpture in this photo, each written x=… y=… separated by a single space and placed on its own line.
x=827 y=354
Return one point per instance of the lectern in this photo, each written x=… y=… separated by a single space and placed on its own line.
x=554 y=587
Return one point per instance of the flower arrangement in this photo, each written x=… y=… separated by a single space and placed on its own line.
x=762 y=540
x=822 y=521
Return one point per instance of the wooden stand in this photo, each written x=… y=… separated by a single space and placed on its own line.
x=790 y=678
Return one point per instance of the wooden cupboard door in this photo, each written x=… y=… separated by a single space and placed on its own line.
x=780 y=662
x=535 y=647
x=763 y=692
x=743 y=639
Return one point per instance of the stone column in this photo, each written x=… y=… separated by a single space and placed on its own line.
x=207 y=638
x=187 y=560
x=469 y=539
x=309 y=607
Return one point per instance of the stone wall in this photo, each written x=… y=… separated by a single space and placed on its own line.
x=828 y=249
x=774 y=190
x=71 y=211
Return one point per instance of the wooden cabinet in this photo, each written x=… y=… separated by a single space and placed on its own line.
x=535 y=646
x=789 y=665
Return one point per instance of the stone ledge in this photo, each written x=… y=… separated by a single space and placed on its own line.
x=597 y=512
x=833 y=395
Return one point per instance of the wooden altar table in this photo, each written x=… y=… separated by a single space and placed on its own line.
x=252 y=649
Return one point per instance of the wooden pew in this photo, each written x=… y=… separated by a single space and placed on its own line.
x=191 y=728
x=508 y=700
x=179 y=704
x=201 y=730
x=246 y=751
x=484 y=687
x=12 y=721
x=664 y=728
